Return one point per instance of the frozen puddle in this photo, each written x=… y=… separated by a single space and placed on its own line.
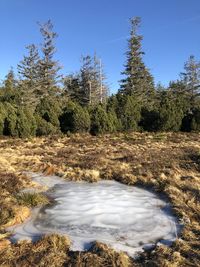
x=125 y=217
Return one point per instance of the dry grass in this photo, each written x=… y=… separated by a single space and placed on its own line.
x=168 y=163
x=32 y=199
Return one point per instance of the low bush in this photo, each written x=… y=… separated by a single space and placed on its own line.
x=25 y=123
x=74 y=119
x=101 y=122
x=44 y=128
x=150 y=120
x=129 y=112
x=49 y=110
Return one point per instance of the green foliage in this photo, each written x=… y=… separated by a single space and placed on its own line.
x=101 y=121
x=10 y=82
x=25 y=123
x=16 y=121
x=138 y=81
x=74 y=118
x=49 y=109
x=191 y=80
x=48 y=68
x=113 y=103
x=171 y=113
x=36 y=105
x=10 y=120
x=195 y=124
x=32 y=121
x=10 y=91
x=81 y=119
x=115 y=123
x=129 y=112
x=150 y=120
x=3 y=114
x=22 y=124
x=12 y=96
x=44 y=128
x=72 y=88
x=191 y=122
x=92 y=87
x=112 y=108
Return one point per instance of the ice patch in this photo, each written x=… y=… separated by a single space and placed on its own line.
x=125 y=217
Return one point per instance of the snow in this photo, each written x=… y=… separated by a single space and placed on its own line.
x=127 y=218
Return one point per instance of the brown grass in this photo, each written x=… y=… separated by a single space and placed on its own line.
x=168 y=163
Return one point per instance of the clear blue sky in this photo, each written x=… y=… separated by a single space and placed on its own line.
x=170 y=29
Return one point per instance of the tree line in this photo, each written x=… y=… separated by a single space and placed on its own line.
x=40 y=101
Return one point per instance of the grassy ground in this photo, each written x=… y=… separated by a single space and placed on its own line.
x=168 y=163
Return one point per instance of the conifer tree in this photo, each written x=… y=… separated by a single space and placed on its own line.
x=129 y=111
x=171 y=112
x=87 y=81
x=191 y=80
x=178 y=91
x=10 y=92
x=93 y=87
x=48 y=67
x=138 y=80
x=28 y=67
x=28 y=70
x=72 y=87
x=10 y=81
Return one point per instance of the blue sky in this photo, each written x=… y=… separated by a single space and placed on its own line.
x=170 y=29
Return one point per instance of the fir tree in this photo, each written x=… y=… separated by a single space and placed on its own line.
x=138 y=80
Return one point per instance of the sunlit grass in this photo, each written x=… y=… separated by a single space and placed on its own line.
x=32 y=199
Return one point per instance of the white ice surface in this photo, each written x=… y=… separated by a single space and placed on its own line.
x=125 y=217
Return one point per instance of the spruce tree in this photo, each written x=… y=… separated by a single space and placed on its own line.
x=138 y=80
x=191 y=78
x=28 y=70
x=28 y=67
x=48 y=67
